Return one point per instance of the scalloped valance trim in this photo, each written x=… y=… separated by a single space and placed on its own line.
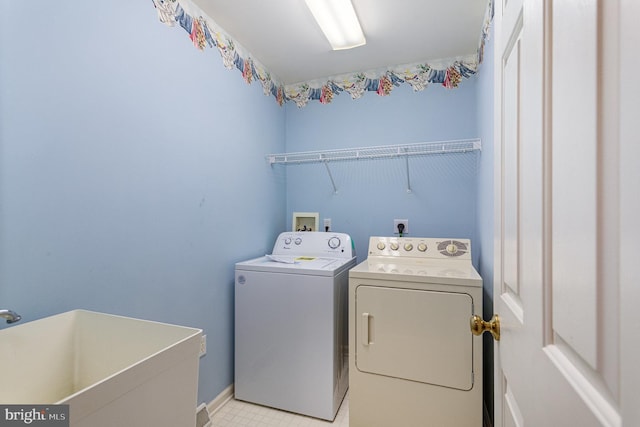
x=203 y=32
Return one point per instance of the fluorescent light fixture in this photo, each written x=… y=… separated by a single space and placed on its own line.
x=338 y=22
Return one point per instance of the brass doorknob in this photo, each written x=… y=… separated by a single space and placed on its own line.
x=478 y=326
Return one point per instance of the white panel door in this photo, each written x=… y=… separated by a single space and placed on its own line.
x=566 y=286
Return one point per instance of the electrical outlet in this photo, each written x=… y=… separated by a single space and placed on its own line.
x=401 y=223
x=203 y=345
x=327 y=224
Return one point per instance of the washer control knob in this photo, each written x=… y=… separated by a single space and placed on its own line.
x=298 y=240
x=334 y=242
x=381 y=246
x=394 y=246
x=452 y=249
x=408 y=247
x=422 y=247
x=287 y=241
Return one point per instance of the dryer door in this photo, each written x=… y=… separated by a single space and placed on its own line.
x=415 y=335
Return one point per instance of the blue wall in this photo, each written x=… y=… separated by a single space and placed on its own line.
x=372 y=193
x=452 y=195
x=132 y=170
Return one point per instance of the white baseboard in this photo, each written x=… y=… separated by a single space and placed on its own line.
x=219 y=401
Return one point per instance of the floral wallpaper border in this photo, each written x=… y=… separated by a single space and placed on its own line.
x=204 y=32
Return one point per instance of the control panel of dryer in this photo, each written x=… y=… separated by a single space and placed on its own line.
x=334 y=245
x=417 y=247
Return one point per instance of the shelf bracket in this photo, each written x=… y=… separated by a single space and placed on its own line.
x=333 y=183
x=406 y=158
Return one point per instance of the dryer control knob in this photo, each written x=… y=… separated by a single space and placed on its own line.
x=422 y=247
x=334 y=242
x=408 y=247
x=452 y=249
x=394 y=246
x=287 y=241
x=381 y=246
x=298 y=241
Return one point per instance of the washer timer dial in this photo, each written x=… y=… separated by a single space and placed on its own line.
x=334 y=242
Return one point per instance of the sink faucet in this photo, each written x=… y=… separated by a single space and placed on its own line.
x=11 y=316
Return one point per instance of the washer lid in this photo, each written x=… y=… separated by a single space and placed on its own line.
x=317 y=266
x=423 y=271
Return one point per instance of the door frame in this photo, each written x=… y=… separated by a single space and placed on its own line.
x=629 y=88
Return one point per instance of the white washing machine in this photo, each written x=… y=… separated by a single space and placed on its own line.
x=413 y=359
x=291 y=326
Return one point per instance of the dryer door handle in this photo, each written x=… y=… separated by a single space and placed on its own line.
x=364 y=331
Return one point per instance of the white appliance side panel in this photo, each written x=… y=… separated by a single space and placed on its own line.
x=415 y=335
x=284 y=339
x=341 y=338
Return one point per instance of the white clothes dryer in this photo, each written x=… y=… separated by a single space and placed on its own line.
x=291 y=326
x=413 y=359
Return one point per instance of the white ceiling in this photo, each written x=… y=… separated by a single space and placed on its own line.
x=282 y=35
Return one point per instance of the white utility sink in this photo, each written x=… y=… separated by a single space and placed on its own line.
x=111 y=370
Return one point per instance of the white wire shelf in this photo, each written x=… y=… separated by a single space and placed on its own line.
x=379 y=152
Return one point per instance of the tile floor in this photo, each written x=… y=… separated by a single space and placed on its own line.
x=235 y=413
